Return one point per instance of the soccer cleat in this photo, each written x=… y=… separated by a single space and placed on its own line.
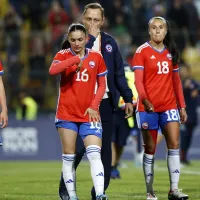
x=62 y=190
x=63 y=193
x=115 y=174
x=177 y=195
x=64 y=197
x=101 y=197
x=151 y=196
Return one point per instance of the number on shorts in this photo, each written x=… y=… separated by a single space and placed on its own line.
x=96 y=125
x=172 y=114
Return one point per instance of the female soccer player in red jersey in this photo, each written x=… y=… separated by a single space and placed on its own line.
x=160 y=103
x=78 y=103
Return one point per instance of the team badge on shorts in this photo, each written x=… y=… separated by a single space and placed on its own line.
x=109 y=48
x=169 y=56
x=145 y=125
x=92 y=64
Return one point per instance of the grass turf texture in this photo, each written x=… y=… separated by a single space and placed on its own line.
x=39 y=181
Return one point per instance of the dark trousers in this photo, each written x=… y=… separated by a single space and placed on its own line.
x=186 y=139
x=106 y=112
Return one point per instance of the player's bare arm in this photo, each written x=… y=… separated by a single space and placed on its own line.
x=4 y=112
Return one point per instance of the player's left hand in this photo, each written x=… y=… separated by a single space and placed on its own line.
x=183 y=115
x=93 y=115
x=128 y=110
x=4 y=119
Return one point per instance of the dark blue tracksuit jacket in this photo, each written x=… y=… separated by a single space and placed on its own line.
x=114 y=63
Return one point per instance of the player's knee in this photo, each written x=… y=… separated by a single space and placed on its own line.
x=93 y=152
x=150 y=149
x=173 y=144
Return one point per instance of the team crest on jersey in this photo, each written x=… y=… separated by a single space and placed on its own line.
x=169 y=56
x=92 y=64
x=109 y=48
x=145 y=125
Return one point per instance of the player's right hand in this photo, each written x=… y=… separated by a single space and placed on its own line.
x=148 y=106
x=79 y=66
x=93 y=115
x=93 y=30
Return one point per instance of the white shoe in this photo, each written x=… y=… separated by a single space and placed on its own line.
x=177 y=195
x=151 y=196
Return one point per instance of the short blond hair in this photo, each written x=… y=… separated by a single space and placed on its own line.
x=94 y=6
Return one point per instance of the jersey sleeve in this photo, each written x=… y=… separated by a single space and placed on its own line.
x=138 y=61
x=1 y=68
x=102 y=70
x=60 y=56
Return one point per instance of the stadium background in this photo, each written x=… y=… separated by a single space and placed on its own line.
x=30 y=34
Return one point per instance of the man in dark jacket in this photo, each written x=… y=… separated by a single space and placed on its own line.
x=191 y=94
x=93 y=19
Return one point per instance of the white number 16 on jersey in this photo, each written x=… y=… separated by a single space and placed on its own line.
x=82 y=76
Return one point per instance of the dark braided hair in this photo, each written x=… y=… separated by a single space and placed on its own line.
x=171 y=45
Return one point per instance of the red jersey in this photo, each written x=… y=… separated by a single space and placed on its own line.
x=1 y=68
x=157 y=79
x=77 y=90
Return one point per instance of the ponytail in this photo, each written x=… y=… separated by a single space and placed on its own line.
x=171 y=45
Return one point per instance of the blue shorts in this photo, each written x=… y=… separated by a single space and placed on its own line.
x=154 y=120
x=82 y=128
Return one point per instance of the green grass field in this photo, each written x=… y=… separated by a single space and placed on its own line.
x=39 y=181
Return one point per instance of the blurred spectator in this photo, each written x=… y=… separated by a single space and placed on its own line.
x=191 y=94
x=37 y=58
x=15 y=67
x=191 y=55
x=177 y=16
x=37 y=65
x=192 y=19
x=121 y=34
x=12 y=25
x=18 y=6
x=26 y=108
x=58 y=20
x=135 y=20
x=72 y=7
x=36 y=13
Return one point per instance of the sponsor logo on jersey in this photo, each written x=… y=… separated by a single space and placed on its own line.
x=92 y=64
x=169 y=56
x=153 y=57
x=109 y=48
x=145 y=125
